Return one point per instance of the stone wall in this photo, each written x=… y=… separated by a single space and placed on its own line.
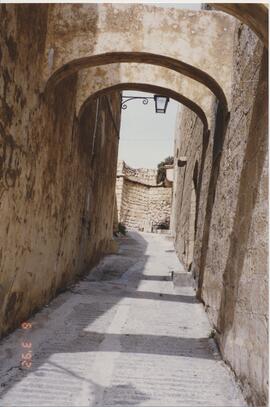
x=141 y=203
x=58 y=158
x=51 y=166
x=189 y=142
x=194 y=37
x=145 y=176
x=230 y=253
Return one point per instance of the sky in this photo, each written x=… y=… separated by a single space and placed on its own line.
x=146 y=137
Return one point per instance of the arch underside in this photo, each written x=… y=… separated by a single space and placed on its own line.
x=186 y=48
x=140 y=58
x=194 y=37
x=184 y=40
x=95 y=79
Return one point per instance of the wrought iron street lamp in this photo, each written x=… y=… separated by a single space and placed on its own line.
x=161 y=102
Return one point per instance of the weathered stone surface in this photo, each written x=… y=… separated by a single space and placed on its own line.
x=58 y=156
x=255 y=16
x=54 y=173
x=230 y=256
x=128 y=76
x=189 y=36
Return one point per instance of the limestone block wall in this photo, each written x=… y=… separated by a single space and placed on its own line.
x=159 y=204
x=51 y=200
x=146 y=176
x=141 y=203
x=230 y=253
x=134 y=205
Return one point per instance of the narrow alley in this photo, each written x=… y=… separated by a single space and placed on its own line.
x=134 y=204
x=129 y=338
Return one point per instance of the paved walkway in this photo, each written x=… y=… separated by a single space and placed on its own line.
x=129 y=339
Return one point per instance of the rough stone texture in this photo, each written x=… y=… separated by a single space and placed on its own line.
x=96 y=79
x=57 y=168
x=51 y=196
x=141 y=203
x=82 y=30
x=255 y=16
x=191 y=148
x=239 y=310
x=88 y=35
x=127 y=340
x=230 y=256
x=146 y=176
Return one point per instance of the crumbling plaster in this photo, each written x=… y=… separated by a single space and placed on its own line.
x=142 y=43
x=50 y=220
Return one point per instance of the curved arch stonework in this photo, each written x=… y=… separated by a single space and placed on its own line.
x=254 y=15
x=191 y=38
x=94 y=79
x=153 y=89
x=145 y=58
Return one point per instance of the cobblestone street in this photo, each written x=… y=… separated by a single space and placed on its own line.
x=130 y=338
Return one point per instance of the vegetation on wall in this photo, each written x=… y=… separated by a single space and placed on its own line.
x=161 y=174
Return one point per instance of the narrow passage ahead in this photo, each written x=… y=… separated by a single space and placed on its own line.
x=128 y=338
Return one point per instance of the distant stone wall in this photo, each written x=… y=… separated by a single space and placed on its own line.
x=146 y=176
x=141 y=203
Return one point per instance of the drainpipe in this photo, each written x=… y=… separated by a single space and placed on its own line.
x=95 y=129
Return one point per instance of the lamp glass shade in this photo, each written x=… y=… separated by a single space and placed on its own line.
x=161 y=103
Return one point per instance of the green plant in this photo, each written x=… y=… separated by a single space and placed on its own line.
x=212 y=333
x=161 y=173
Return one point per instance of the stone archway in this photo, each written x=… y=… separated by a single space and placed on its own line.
x=193 y=37
x=151 y=89
x=254 y=15
x=139 y=57
x=92 y=80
